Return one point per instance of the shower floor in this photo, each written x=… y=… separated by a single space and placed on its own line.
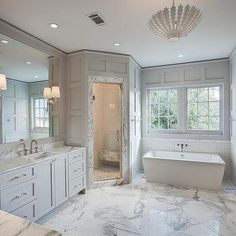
x=107 y=172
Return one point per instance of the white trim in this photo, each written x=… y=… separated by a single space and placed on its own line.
x=232 y=53
x=186 y=64
x=182 y=115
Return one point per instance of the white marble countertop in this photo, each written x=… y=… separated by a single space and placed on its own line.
x=11 y=225
x=12 y=163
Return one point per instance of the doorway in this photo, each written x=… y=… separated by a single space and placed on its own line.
x=107 y=136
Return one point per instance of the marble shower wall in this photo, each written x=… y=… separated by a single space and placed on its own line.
x=125 y=154
x=222 y=148
x=107 y=119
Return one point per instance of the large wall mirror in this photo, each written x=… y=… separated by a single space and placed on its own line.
x=24 y=110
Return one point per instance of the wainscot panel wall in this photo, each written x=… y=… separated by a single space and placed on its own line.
x=220 y=147
x=84 y=68
x=210 y=73
x=135 y=88
x=14 y=112
x=233 y=115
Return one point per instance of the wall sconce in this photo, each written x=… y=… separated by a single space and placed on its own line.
x=3 y=83
x=51 y=94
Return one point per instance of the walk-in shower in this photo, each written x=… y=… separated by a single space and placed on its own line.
x=107 y=115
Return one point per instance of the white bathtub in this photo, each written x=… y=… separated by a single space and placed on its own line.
x=194 y=170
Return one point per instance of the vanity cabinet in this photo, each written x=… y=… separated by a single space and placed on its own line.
x=60 y=180
x=46 y=186
x=19 y=192
x=29 y=211
x=53 y=186
x=33 y=191
x=76 y=171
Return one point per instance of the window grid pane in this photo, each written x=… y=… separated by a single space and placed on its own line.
x=162 y=109
x=203 y=109
x=40 y=107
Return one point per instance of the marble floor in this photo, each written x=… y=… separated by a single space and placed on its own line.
x=146 y=209
x=107 y=172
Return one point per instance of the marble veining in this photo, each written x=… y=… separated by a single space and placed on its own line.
x=10 y=150
x=145 y=209
x=125 y=159
x=107 y=172
x=11 y=225
x=12 y=163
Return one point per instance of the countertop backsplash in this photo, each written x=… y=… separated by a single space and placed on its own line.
x=15 y=149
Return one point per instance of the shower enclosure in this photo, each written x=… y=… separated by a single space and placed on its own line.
x=107 y=115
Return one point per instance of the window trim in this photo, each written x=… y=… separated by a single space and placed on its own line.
x=221 y=101
x=147 y=117
x=182 y=112
x=34 y=128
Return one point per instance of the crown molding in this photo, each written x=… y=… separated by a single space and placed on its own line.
x=24 y=37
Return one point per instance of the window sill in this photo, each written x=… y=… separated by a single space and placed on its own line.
x=181 y=135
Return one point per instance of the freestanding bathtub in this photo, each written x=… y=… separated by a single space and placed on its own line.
x=194 y=170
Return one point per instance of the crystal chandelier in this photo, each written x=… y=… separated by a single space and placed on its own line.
x=175 y=22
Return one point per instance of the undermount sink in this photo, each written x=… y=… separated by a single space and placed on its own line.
x=40 y=155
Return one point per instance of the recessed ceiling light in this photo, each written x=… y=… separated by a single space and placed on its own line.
x=180 y=55
x=53 y=25
x=117 y=44
x=4 y=41
x=28 y=62
x=36 y=76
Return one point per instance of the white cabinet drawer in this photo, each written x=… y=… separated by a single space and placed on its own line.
x=76 y=185
x=76 y=156
x=17 y=196
x=18 y=176
x=28 y=212
x=76 y=169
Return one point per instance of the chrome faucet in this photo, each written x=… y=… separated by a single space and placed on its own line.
x=31 y=146
x=182 y=146
x=22 y=142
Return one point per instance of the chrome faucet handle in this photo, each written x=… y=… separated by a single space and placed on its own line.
x=25 y=151
x=31 y=146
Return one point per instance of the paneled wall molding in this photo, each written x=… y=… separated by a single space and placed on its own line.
x=84 y=68
x=233 y=113
x=125 y=148
x=185 y=63
x=223 y=148
x=211 y=73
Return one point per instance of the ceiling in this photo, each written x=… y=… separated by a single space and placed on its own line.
x=126 y=23
x=13 y=58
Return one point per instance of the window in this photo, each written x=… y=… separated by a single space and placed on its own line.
x=40 y=113
x=185 y=110
x=203 y=108
x=162 y=109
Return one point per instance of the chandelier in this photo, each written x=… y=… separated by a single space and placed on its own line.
x=175 y=22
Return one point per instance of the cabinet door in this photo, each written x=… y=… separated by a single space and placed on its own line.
x=46 y=187
x=61 y=177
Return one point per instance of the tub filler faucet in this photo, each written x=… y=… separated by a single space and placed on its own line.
x=182 y=146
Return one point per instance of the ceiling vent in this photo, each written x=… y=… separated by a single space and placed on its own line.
x=97 y=18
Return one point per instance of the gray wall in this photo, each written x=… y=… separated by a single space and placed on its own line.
x=188 y=75
x=233 y=115
x=183 y=75
x=15 y=116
